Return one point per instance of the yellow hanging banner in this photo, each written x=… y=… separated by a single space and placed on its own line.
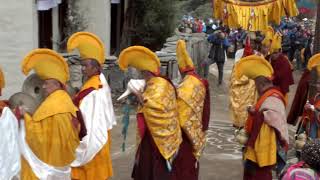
x=253 y=15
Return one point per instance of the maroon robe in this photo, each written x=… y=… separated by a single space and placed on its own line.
x=300 y=98
x=283 y=77
x=253 y=172
x=149 y=163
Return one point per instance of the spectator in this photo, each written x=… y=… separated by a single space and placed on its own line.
x=309 y=167
x=217 y=52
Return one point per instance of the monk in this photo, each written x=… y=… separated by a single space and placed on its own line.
x=158 y=124
x=242 y=93
x=302 y=92
x=283 y=77
x=266 y=124
x=50 y=132
x=194 y=114
x=310 y=123
x=268 y=128
x=94 y=100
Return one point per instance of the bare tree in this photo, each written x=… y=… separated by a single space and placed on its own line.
x=316 y=45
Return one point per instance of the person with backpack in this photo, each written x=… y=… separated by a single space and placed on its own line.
x=309 y=167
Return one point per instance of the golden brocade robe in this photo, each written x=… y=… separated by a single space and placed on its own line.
x=191 y=95
x=161 y=115
x=50 y=133
x=100 y=167
x=242 y=94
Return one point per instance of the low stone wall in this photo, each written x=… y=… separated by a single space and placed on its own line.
x=197 y=46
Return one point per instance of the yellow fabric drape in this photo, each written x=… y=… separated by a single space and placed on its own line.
x=191 y=95
x=253 y=16
x=50 y=133
x=161 y=115
x=100 y=167
x=264 y=152
x=242 y=94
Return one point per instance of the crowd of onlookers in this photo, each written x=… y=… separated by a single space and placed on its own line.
x=296 y=34
x=191 y=24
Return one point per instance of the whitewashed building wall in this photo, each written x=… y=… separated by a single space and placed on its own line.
x=18 y=35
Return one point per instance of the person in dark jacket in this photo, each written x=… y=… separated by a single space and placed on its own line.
x=217 y=52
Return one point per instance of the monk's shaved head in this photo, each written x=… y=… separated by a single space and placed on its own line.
x=262 y=84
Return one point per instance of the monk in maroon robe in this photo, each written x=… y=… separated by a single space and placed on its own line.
x=283 y=77
x=300 y=98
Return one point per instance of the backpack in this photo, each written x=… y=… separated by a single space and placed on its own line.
x=298 y=172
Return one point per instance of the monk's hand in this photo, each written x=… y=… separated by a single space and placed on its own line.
x=22 y=110
x=251 y=110
x=309 y=107
x=139 y=97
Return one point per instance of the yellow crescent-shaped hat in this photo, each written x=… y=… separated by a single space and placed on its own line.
x=269 y=33
x=2 y=80
x=140 y=58
x=276 y=42
x=89 y=46
x=313 y=61
x=47 y=64
x=253 y=66
x=184 y=61
x=318 y=69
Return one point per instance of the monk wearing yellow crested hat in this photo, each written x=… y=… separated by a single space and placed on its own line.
x=266 y=125
x=94 y=100
x=194 y=115
x=50 y=134
x=157 y=119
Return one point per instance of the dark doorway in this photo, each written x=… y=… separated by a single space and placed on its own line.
x=117 y=18
x=63 y=8
x=45 y=29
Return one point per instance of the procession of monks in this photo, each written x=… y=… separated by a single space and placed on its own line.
x=259 y=90
x=69 y=137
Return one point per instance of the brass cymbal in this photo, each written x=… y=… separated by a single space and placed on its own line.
x=29 y=103
x=33 y=87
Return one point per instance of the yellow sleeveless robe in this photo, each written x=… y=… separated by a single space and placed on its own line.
x=161 y=116
x=50 y=133
x=100 y=167
x=191 y=95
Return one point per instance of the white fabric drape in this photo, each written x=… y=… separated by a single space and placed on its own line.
x=9 y=147
x=44 y=5
x=98 y=115
x=13 y=145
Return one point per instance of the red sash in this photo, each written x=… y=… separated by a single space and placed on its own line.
x=271 y=92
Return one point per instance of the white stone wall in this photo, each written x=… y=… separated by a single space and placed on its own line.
x=18 y=35
x=97 y=13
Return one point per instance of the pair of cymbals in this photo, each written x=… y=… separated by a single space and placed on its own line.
x=31 y=96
